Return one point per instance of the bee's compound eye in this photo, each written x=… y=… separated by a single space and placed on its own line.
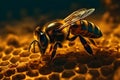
x=43 y=39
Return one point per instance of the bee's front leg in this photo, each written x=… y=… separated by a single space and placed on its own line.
x=42 y=50
x=33 y=42
x=53 y=50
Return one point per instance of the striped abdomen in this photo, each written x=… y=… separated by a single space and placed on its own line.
x=86 y=29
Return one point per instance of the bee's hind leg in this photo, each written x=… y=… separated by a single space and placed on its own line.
x=83 y=41
x=93 y=42
x=72 y=38
x=86 y=45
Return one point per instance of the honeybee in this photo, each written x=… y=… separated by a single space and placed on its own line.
x=56 y=32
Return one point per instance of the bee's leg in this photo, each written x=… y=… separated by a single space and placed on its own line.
x=51 y=46
x=34 y=46
x=93 y=42
x=42 y=49
x=53 y=53
x=86 y=45
x=33 y=42
x=83 y=41
x=72 y=38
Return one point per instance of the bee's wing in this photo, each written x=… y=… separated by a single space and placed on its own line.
x=76 y=15
x=79 y=14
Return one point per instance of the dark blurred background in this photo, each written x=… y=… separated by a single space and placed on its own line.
x=18 y=9
x=15 y=10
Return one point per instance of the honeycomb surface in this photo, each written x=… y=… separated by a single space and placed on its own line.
x=70 y=63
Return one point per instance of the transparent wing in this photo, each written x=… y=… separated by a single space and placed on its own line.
x=77 y=15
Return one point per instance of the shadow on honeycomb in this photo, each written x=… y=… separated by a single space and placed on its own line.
x=70 y=63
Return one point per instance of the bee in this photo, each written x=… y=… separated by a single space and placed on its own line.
x=57 y=31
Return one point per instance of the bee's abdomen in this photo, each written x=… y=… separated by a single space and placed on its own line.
x=90 y=30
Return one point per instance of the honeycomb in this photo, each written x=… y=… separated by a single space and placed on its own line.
x=70 y=63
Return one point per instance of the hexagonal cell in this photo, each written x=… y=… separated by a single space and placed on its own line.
x=9 y=72
x=45 y=70
x=107 y=70
x=94 y=73
x=34 y=56
x=54 y=76
x=4 y=63
x=45 y=58
x=35 y=50
x=14 y=59
x=18 y=76
x=24 y=59
x=22 y=68
x=81 y=69
x=16 y=51
x=24 y=54
x=68 y=74
x=6 y=57
x=32 y=73
x=35 y=64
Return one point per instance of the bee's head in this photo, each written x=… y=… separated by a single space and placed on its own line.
x=41 y=37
